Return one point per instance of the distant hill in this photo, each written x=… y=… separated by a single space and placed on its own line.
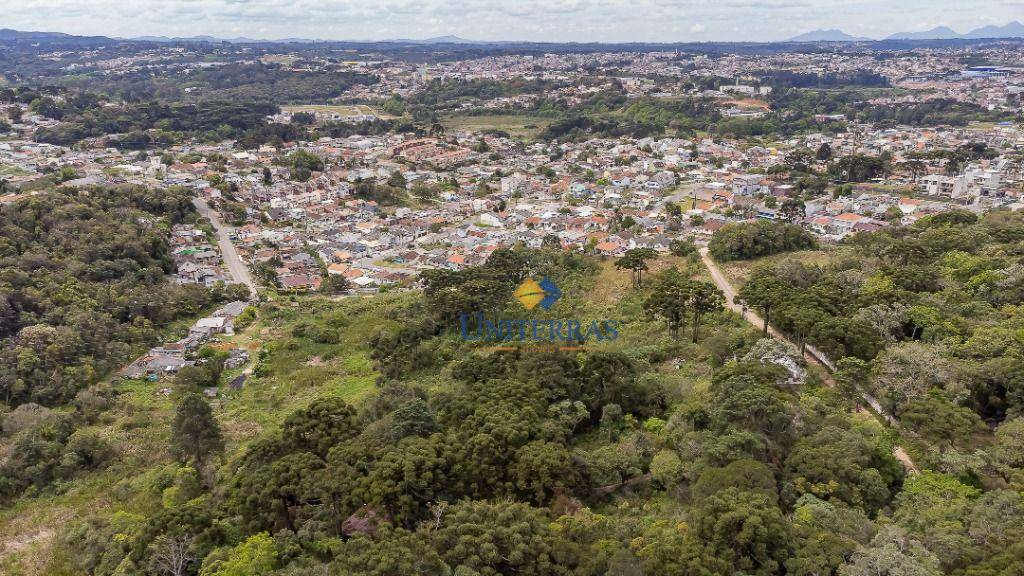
x=8 y=34
x=937 y=33
x=831 y=35
x=50 y=39
x=179 y=39
x=438 y=40
x=245 y=40
x=1012 y=30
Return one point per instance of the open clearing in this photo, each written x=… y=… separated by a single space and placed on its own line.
x=522 y=126
x=343 y=109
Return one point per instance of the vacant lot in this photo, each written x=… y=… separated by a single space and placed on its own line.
x=11 y=170
x=329 y=108
x=521 y=126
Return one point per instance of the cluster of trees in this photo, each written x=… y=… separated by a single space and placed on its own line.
x=745 y=240
x=922 y=317
x=857 y=168
x=448 y=93
x=677 y=299
x=611 y=114
x=302 y=163
x=859 y=78
x=83 y=287
x=799 y=105
x=956 y=159
x=143 y=124
x=268 y=82
x=940 y=111
x=243 y=81
x=48 y=446
x=493 y=474
x=390 y=193
x=447 y=293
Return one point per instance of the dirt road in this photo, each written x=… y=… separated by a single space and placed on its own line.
x=811 y=354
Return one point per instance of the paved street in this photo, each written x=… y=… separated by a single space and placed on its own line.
x=238 y=270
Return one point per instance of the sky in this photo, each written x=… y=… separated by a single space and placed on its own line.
x=529 y=20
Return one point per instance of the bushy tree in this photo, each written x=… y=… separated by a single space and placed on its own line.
x=195 y=434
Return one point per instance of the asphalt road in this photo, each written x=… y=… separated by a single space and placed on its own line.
x=238 y=270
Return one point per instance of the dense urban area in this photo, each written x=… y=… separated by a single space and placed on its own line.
x=464 y=309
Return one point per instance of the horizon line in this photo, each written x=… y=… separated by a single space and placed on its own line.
x=456 y=39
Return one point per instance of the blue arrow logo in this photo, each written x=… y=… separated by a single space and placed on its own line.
x=551 y=293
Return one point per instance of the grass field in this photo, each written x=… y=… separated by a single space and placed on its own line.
x=10 y=170
x=520 y=126
x=343 y=109
x=737 y=271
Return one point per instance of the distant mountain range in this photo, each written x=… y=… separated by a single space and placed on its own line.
x=440 y=40
x=1012 y=30
x=179 y=39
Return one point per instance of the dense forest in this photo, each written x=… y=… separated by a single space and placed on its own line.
x=222 y=102
x=927 y=318
x=209 y=121
x=83 y=290
x=790 y=79
x=83 y=285
x=943 y=111
x=237 y=81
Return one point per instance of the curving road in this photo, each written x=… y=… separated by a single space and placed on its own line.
x=811 y=354
x=238 y=270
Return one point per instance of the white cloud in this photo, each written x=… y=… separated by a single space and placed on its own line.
x=539 y=20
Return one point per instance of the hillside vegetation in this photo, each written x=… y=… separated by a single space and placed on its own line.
x=371 y=439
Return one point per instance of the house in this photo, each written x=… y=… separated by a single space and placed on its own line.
x=154 y=366
x=844 y=223
x=213 y=325
x=300 y=282
x=236 y=358
x=231 y=310
x=609 y=248
x=337 y=269
x=364 y=281
x=488 y=219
